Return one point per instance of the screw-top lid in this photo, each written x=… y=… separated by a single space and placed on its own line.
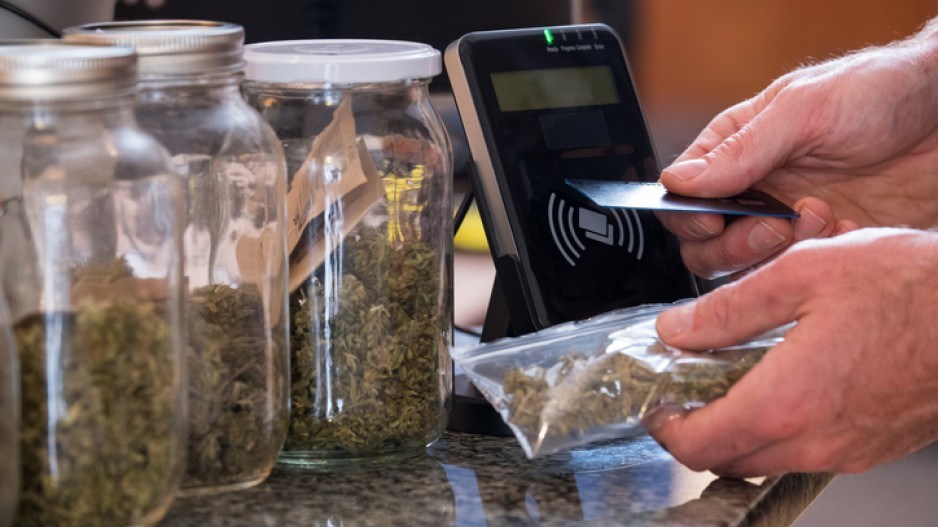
x=170 y=47
x=340 y=61
x=44 y=69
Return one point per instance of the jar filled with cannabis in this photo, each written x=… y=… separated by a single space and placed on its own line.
x=235 y=242
x=370 y=243
x=9 y=418
x=90 y=252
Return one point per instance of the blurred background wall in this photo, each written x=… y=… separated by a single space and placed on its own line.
x=691 y=58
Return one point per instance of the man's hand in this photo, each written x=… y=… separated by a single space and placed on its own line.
x=854 y=384
x=848 y=143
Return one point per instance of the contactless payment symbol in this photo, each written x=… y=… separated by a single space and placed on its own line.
x=573 y=228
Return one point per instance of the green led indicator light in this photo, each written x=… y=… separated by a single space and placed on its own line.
x=549 y=36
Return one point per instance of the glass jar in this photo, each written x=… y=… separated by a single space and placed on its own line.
x=370 y=241
x=92 y=271
x=235 y=242
x=9 y=418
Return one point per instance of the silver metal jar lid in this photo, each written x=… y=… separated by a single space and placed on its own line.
x=44 y=69
x=170 y=47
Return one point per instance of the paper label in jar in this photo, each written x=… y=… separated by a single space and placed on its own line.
x=260 y=263
x=338 y=183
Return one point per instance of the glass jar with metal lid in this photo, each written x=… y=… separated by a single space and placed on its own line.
x=235 y=263
x=90 y=252
x=370 y=239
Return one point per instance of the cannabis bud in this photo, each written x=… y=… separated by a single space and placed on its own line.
x=237 y=388
x=100 y=437
x=9 y=421
x=368 y=350
x=583 y=392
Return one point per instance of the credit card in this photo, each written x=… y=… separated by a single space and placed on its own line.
x=654 y=196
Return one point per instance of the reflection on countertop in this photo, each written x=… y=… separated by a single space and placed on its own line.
x=468 y=480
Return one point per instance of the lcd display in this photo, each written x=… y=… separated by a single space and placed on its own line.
x=554 y=88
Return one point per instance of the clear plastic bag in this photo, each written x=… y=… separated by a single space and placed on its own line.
x=587 y=381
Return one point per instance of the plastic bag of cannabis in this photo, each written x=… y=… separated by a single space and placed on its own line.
x=587 y=381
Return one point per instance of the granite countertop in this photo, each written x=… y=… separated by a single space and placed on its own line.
x=472 y=480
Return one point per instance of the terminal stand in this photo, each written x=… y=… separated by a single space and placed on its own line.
x=471 y=411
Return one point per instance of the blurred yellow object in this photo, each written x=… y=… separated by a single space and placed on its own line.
x=471 y=234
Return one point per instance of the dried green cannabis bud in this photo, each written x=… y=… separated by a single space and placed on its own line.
x=99 y=436
x=578 y=393
x=237 y=376
x=582 y=392
x=367 y=351
x=9 y=427
x=696 y=381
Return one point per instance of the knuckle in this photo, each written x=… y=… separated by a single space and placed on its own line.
x=854 y=461
x=733 y=252
x=781 y=424
x=816 y=457
x=683 y=228
x=723 y=257
x=800 y=261
x=769 y=94
x=712 y=258
x=716 y=308
x=697 y=265
x=732 y=149
x=736 y=256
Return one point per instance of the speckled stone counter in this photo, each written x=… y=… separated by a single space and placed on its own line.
x=474 y=481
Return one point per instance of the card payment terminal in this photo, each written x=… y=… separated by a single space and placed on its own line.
x=540 y=106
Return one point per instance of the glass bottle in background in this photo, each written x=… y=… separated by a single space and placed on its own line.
x=9 y=417
x=235 y=263
x=370 y=243
x=92 y=271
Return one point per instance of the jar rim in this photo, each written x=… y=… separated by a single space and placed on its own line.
x=340 y=61
x=170 y=47
x=44 y=69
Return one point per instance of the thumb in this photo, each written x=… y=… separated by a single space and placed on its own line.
x=766 y=299
x=739 y=148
